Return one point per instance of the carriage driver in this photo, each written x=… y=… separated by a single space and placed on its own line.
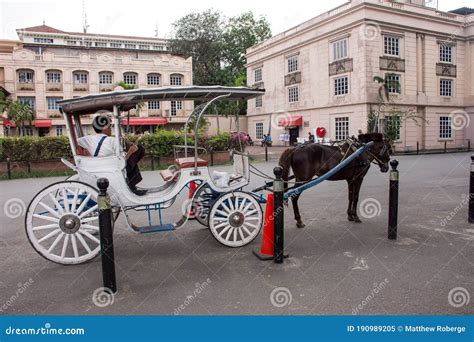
x=103 y=145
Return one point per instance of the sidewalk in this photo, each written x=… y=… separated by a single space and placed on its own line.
x=258 y=152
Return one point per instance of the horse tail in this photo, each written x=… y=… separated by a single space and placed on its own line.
x=285 y=163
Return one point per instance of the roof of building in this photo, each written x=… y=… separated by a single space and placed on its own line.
x=49 y=29
x=463 y=11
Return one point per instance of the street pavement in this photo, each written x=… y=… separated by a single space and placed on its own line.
x=335 y=266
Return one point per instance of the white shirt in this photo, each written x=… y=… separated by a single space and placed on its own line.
x=90 y=142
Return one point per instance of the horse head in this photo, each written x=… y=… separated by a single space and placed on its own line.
x=380 y=151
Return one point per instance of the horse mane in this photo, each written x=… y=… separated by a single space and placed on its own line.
x=368 y=137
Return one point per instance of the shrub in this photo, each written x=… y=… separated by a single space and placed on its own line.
x=219 y=142
x=34 y=148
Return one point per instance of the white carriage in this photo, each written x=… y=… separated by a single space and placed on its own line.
x=62 y=219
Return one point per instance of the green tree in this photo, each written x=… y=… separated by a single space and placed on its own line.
x=20 y=114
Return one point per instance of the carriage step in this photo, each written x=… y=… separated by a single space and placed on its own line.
x=158 y=228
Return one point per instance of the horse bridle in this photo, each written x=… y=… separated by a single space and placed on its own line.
x=376 y=160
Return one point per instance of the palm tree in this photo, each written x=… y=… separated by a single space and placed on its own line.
x=386 y=84
x=20 y=114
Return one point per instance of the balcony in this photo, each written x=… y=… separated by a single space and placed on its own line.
x=106 y=87
x=54 y=87
x=25 y=86
x=80 y=87
x=155 y=112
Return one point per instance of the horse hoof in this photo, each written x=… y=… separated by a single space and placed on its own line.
x=350 y=218
x=357 y=220
x=300 y=225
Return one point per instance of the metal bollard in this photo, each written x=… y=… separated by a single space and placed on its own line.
x=471 y=193
x=106 y=236
x=393 y=202
x=266 y=153
x=278 y=194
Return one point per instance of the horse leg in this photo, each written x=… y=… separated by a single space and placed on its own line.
x=296 y=210
x=351 y=194
x=355 y=199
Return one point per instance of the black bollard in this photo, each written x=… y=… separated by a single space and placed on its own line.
x=393 y=202
x=471 y=192
x=266 y=153
x=106 y=236
x=278 y=194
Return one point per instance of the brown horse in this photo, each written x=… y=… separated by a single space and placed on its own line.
x=311 y=160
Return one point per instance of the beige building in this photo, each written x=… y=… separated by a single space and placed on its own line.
x=47 y=65
x=320 y=73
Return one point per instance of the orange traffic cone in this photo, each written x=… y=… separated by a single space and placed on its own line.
x=266 y=248
x=192 y=189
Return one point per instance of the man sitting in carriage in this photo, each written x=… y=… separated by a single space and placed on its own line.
x=103 y=145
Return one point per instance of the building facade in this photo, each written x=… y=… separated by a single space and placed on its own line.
x=320 y=74
x=47 y=65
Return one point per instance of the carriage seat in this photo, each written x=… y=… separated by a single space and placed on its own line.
x=170 y=174
x=188 y=162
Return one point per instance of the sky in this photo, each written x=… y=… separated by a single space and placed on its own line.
x=142 y=17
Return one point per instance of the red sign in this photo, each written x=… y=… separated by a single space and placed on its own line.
x=321 y=132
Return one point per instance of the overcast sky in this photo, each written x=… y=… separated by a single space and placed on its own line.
x=140 y=17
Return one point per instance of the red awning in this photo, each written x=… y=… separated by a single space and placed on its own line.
x=42 y=123
x=144 y=121
x=291 y=121
x=6 y=122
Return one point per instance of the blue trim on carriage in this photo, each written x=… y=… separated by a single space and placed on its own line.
x=237 y=328
x=330 y=173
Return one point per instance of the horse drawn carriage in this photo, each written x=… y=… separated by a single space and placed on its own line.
x=62 y=219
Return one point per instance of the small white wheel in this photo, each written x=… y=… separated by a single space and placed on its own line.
x=62 y=223
x=202 y=203
x=235 y=219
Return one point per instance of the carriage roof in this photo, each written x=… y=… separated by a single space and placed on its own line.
x=127 y=99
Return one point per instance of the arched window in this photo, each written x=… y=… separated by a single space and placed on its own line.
x=25 y=75
x=176 y=79
x=106 y=78
x=130 y=78
x=153 y=79
x=80 y=77
x=53 y=76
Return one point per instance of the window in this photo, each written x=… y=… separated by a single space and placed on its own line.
x=44 y=40
x=130 y=78
x=445 y=53
x=52 y=102
x=25 y=76
x=293 y=94
x=53 y=76
x=100 y=44
x=339 y=49
x=445 y=87
x=176 y=80
x=80 y=77
x=258 y=101
x=342 y=128
x=27 y=100
x=393 y=83
x=341 y=85
x=158 y=47
x=153 y=79
x=106 y=77
x=130 y=46
x=392 y=124
x=445 y=128
x=257 y=75
x=115 y=45
x=59 y=131
x=144 y=47
x=391 y=46
x=292 y=64
x=175 y=106
x=259 y=130
x=153 y=105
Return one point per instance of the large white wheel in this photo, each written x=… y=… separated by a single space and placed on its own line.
x=235 y=219
x=62 y=223
x=202 y=204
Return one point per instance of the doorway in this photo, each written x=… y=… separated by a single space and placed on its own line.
x=294 y=135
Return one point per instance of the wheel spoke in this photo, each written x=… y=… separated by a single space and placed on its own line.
x=65 y=201
x=222 y=213
x=83 y=204
x=55 y=243
x=224 y=230
x=89 y=219
x=87 y=212
x=89 y=226
x=228 y=233
x=90 y=236
x=247 y=208
x=231 y=204
x=241 y=234
x=47 y=218
x=83 y=242
x=252 y=218
x=226 y=208
x=244 y=200
x=47 y=226
x=65 y=243
x=56 y=203
x=246 y=230
x=235 y=234
x=251 y=225
x=254 y=211
x=49 y=209
x=51 y=234
x=74 y=246
x=74 y=201
x=220 y=225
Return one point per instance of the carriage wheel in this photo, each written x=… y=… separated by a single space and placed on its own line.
x=62 y=222
x=235 y=219
x=202 y=204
